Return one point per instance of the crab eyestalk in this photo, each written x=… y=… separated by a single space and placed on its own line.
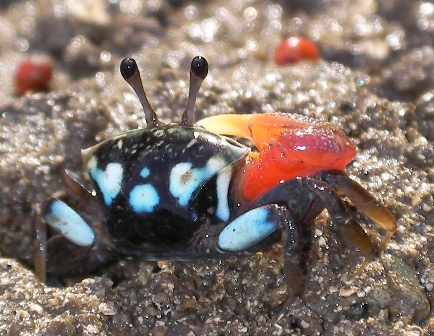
x=130 y=72
x=198 y=72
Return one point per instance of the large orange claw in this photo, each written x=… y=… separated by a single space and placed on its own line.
x=290 y=146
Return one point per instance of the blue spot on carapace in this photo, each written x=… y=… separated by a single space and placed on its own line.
x=145 y=172
x=70 y=224
x=246 y=230
x=109 y=180
x=144 y=198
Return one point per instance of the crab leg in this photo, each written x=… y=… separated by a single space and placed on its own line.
x=343 y=219
x=365 y=202
x=292 y=256
x=77 y=189
x=40 y=247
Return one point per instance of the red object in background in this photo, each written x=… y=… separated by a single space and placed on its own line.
x=295 y=49
x=33 y=76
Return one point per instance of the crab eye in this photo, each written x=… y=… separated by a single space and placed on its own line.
x=130 y=72
x=198 y=72
x=129 y=68
x=199 y=67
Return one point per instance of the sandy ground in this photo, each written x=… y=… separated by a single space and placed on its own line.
x=375 y=81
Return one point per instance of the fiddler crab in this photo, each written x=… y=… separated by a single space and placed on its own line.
x=190 y=191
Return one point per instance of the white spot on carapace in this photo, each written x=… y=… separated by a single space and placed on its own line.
x=70 y=224
x=184 y=180
x=182 y=183
x=145 y=172
x=144 y=198
x=109 y=180
x=119 y=144
x=215 y=164
x=223 y=181
x=191 y=143
x=159 y=133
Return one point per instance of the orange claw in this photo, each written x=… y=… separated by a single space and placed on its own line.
x=290 y=146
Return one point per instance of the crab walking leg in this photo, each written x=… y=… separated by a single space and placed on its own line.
x=343 y=220
x=292 y=256
x=365 y=202
x=76 y=189
x=40 y=247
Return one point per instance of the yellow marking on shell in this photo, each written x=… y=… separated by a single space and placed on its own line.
x=228 y=124
x=88 y=154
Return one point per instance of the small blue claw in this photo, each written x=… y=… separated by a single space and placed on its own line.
x=250 y=228
x=70 y=224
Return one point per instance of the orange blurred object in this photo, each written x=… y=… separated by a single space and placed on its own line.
x=33 y=76
x=295 y=49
